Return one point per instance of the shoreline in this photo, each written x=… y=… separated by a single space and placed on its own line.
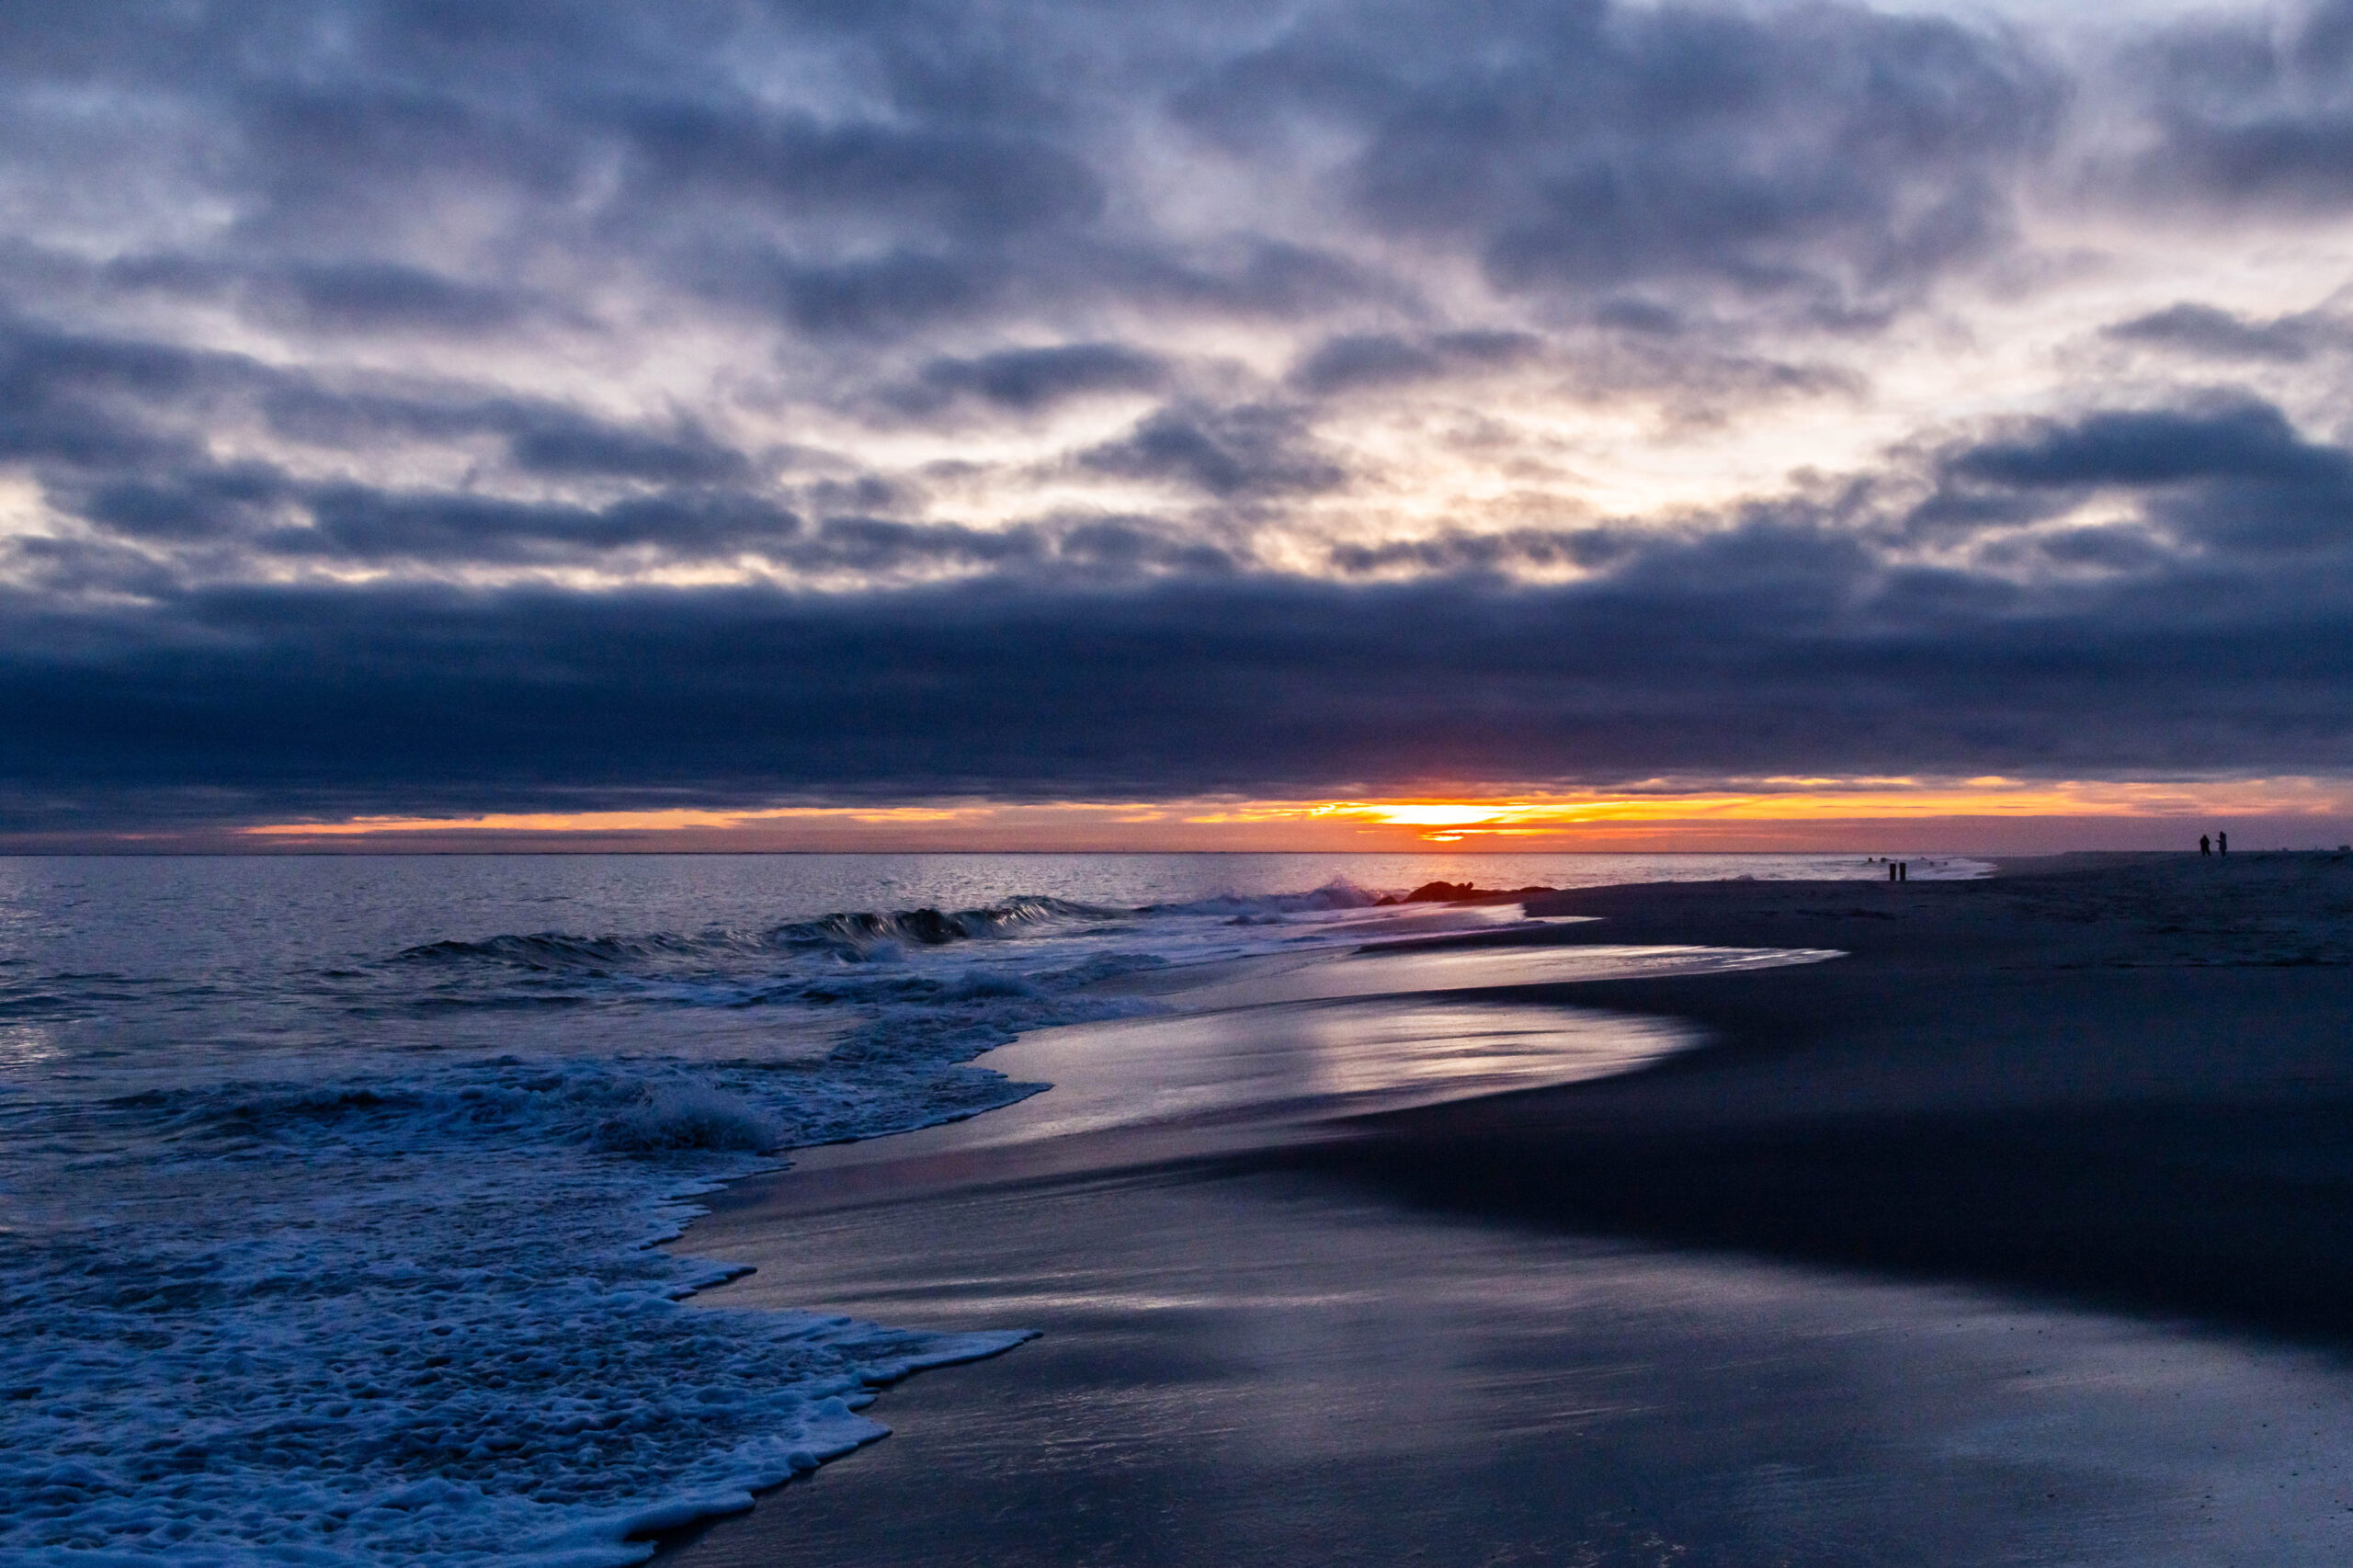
x=2132 y=1068
x=2129 y=1083
x=2120 y=1085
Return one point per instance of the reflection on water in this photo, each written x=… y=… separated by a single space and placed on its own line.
x=27 y=1045
x=1329 y=975
x=1269 y=1043
x=1267 y=1368
x=1290 y=1061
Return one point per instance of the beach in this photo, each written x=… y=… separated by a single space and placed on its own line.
x=2016 y=1233
x=1190 y=784
x=332 y=1189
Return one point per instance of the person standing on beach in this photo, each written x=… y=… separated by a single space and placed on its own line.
x=2222 y=843
x=2205 y=846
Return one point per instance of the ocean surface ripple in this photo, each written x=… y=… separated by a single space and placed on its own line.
x=331 y=1196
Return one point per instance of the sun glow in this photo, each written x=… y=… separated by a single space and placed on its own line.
x=1418 y=815
x=1758 y=813
x=1814 y=800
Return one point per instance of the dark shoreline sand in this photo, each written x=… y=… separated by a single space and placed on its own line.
x=1825 y=1290
x=2128 y=1079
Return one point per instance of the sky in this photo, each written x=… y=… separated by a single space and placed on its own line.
x=1173 y=424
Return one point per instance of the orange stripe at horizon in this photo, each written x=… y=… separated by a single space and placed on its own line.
x=1532 y=814
x=1434 y=818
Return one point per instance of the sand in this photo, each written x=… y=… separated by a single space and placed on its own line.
x=2126 y=1081
x=2018 y=1235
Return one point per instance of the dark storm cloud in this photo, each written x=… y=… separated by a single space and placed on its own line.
x=2230 y=481
x=1117 y=547
x=540 y=437
x=2251 y=112
x=879 y=296
x=94 y=402
x=1778 y=644
x=304 y=291
x=875 y=544
x=1035 y=378
x=964 y=160
x=114 y=429
x=336 y=297
x=2205 y=333
x=373 y=296
x=1382 y=359
x=571 y=444
x=231 y=501
x=1464 y=555
x=965 y=180
x=1232 y=453
x=349 y=522
x=2246 y=441
x=1835 y=158
x=1793 y=636
x=961 y=172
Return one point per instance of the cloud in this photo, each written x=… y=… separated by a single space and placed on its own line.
x=2204 y=332
x=1830 y=159
x=1456 y=553
x=2237 y=440
x=96 y=402
x=374 y=296
x=358 y=700
x=1027 y=379
x=1784 y=639
x=564 y=443
x=349 y=523
x=2234 y=475
x=1254 y=449
x=2253 y=110
x=498 y=405
x=1384 y=360
x=971 y=180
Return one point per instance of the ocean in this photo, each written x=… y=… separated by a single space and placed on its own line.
x=332 y=1188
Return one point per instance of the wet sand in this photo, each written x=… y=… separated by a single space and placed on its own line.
x=1977 y=1245
x=2128 y=1081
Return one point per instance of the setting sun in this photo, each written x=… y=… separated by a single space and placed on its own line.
x=1428 y=813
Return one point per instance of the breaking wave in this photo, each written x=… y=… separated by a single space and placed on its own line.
x=850 y=936
x=401 y=1299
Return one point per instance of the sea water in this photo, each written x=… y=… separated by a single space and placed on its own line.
x=331 y=1188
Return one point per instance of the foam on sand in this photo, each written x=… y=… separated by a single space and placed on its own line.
x=370 y=1270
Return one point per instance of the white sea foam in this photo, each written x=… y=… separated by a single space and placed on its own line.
x=416 y=1317
x=347 y=1255
x=688 y=1116
x=405 y=1302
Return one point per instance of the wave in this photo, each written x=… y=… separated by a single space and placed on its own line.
x=420 y=1310
x=868 y=934
x=931 y=928
x=855 y=935
x=1338 y=894
x=690 y=1116
x=408 y=1278
x=418 y=1318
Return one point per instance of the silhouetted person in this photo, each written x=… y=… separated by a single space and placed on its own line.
x=2222 y=843
x=2205 y=845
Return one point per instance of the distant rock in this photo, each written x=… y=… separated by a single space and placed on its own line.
x=1468 y=893
x=1441 y=892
